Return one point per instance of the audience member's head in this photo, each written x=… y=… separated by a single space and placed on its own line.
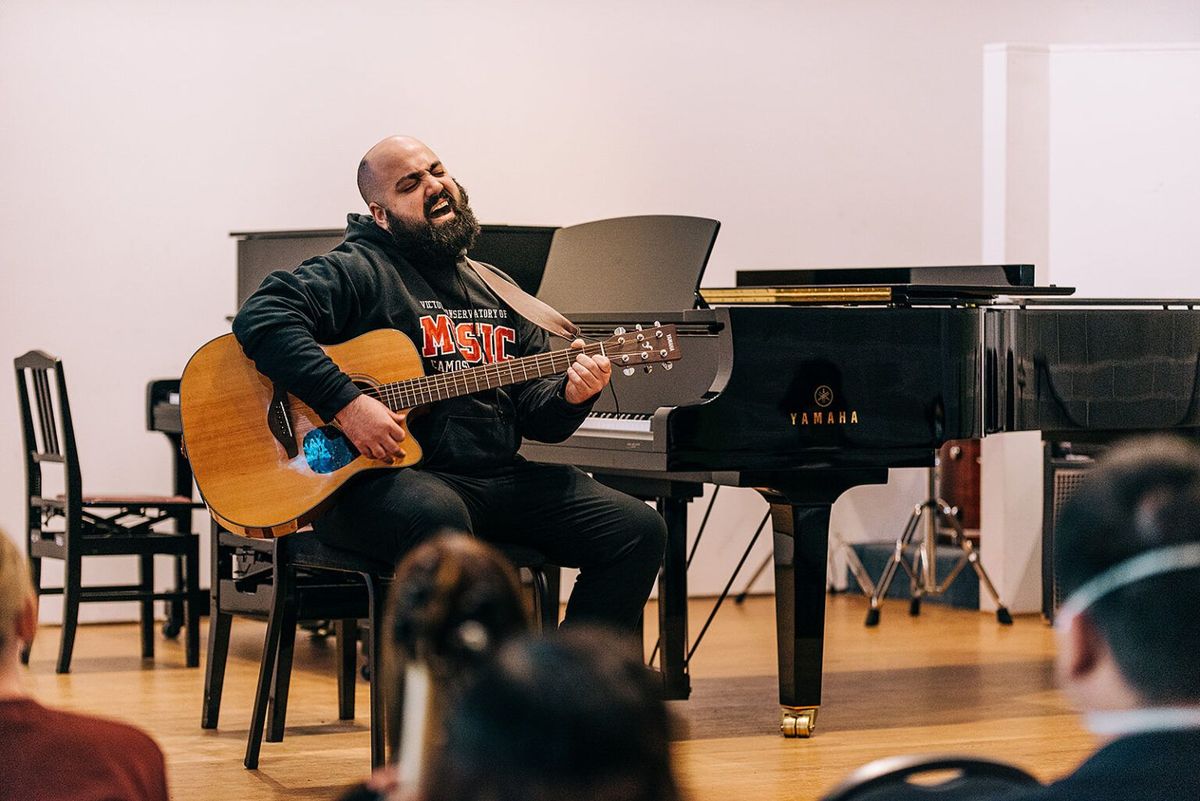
x=454 y=599
x=572 y=716
x=1127 y=553
x=53 y=754
x=18 y=608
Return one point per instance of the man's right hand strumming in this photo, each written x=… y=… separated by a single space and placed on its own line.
x=375 y=430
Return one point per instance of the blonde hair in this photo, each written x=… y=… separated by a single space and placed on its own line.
x=15 y=587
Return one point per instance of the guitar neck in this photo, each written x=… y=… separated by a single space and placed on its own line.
x=442 y=386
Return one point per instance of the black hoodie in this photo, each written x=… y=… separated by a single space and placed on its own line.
x=454 y=320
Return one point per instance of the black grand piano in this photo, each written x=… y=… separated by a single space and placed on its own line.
x=803 y=385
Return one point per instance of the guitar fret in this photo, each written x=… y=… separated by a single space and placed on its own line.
x=442 y=386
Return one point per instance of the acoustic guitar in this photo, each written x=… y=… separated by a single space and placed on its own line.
x=267 y=464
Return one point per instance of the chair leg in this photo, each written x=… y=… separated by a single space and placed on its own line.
x=347 y=640
x=277 y=716
x=539 y=600
x=191 y=585
x=375 y=601
x=72 y=593
x=176 y=607
x=35 y=576
x=553 y=592
x=219 y=624
x=35 y=572
x=146 y=582
x=545 y=597
x=639 y=633
x=258 y=716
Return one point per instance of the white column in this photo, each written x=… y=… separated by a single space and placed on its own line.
x=1016 y=200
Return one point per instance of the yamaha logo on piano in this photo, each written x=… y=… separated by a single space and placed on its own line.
x=823 y=397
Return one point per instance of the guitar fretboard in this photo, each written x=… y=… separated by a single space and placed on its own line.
x=440 y=386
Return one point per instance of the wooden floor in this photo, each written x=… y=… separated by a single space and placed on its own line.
x=948 y=681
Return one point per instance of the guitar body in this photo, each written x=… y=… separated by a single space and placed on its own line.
x=267 y=464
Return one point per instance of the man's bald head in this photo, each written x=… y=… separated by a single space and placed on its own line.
x=391 y=152
x=412 y=196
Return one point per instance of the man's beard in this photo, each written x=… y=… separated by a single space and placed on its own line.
x=425 y=241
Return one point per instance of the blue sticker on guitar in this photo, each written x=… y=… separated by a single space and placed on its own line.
x=327 y=449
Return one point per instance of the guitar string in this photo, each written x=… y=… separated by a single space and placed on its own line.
x=440 y=386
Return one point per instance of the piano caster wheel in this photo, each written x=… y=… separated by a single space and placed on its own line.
x=872 y=618
x=798 y=721
x=171 y=629
x=1003 y=617
x=914 y=607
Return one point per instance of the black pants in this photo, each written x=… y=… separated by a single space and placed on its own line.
x=616 y=541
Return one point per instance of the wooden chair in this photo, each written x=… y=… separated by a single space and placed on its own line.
x=71 y=526
x=298 y=578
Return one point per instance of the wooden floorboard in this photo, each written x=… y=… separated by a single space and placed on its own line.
x=948 y=681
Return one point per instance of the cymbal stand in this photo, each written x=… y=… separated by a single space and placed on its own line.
x=922 y=573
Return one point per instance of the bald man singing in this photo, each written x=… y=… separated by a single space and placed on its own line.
x=403 y=266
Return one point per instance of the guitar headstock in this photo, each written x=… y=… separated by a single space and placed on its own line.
x=644 y=346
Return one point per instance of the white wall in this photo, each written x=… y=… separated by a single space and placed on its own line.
x=136 y=135
x=1125 y=170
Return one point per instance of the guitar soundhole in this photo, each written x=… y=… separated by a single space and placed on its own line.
x=326 y=449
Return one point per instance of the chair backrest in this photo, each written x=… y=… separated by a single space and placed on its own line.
x=930 y=778
x=46 y=427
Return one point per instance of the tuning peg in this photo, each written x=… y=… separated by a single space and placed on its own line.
x=619 y=330
x=657 y=324
x=649 y=368
x=658 y=334
x=628 y=371
x=625 y=359
x=637 y=327
x=645 y=355
x=663 y=353
x=668 y=365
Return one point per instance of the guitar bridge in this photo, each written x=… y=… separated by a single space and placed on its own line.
x=279 y=421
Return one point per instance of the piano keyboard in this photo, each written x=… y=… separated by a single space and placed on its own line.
x=613 y=424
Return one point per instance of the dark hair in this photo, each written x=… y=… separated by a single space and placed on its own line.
x=572 y=716
x=444 y=584
x=454 y=601
x=1143 y=494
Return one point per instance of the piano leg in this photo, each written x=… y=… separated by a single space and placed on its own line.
x=672 y=601
x=800 y=522
x=671 y=498
x=801 y=544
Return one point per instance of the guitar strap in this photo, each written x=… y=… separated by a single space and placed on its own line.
x=535 y=311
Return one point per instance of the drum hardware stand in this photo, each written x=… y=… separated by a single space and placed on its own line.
x=922 y=573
